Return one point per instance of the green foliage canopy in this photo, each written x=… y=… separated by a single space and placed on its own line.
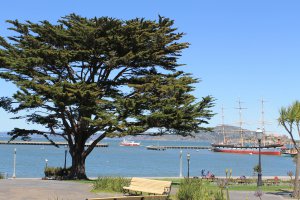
x=101 y=76
x=289 y=118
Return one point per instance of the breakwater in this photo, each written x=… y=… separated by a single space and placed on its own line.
x=44 y=143
x=161 y=148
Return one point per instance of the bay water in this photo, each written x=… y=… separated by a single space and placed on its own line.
x=117 y=160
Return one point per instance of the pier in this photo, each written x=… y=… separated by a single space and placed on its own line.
x=162 y=148
x=45 y=143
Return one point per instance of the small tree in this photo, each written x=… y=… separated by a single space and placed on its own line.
x=99 y=77
x=291 y=174
x=256 y=168
x=290 y=119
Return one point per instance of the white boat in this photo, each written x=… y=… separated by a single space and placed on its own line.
x=129 y=143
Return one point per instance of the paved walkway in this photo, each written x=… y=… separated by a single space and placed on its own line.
x=37 y=189
x=34 y=189
x=247 y=195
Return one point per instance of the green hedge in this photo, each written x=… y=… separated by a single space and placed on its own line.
x=192 y=189
x=112 y=184
x=56 y=172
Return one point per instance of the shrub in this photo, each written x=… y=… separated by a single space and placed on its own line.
x=191 y=189
x=1 y=176
x=57 y=172
x=256 y=168
x=113 y=184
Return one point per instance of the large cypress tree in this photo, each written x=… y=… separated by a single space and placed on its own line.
x=99 y=77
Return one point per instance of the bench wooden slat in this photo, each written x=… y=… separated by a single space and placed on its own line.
x=149 y=186
x=147 y=190
x=150 y=197
x=119 y=198
x=156 y=197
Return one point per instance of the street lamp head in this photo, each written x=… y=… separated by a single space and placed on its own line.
x=46 y=160
x=188 y=156
x=259 y=134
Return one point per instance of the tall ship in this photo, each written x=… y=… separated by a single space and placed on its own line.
x=250 y=148
x=274 y=149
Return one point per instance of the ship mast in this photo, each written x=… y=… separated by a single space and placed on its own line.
x=241 y=122
x=223 y=126
x=263 y=121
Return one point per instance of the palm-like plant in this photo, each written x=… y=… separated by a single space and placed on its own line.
x=289 y=118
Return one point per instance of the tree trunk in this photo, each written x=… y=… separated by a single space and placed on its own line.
x=296 y=184
x=78 y=165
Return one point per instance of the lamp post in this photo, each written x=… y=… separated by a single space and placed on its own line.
x=65 y=164
x=180 y=164
x=188 y=162
x=259 y=135
x=15 y=157
x=46 y=163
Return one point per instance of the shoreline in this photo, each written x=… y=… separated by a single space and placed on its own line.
x=284 y=178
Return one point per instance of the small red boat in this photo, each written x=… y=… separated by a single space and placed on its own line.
x=129 y=143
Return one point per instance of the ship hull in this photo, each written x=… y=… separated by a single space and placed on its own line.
x=129 y=143
x=264 y=151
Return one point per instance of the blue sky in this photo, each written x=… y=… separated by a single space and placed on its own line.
x=239 y=49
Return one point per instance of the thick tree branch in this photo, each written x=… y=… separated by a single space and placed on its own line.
x=92 y=146
x=290 y=131
x=71 y=73
x=120 y=74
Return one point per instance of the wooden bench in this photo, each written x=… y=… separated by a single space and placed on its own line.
x=150 y=197
x=211 y=179
x=242 y=181
x=143 y=185
x=274 y=181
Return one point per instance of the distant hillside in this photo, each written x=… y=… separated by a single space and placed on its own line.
x=3 y=134
x=215 y=136
x=232 y=132
x=200 y=136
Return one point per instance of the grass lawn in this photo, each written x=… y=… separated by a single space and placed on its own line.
x=271 y=188
x=239 y=187
x=235 y=187
x=83 y=181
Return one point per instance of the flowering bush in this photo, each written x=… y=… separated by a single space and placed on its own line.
x=191 y=189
